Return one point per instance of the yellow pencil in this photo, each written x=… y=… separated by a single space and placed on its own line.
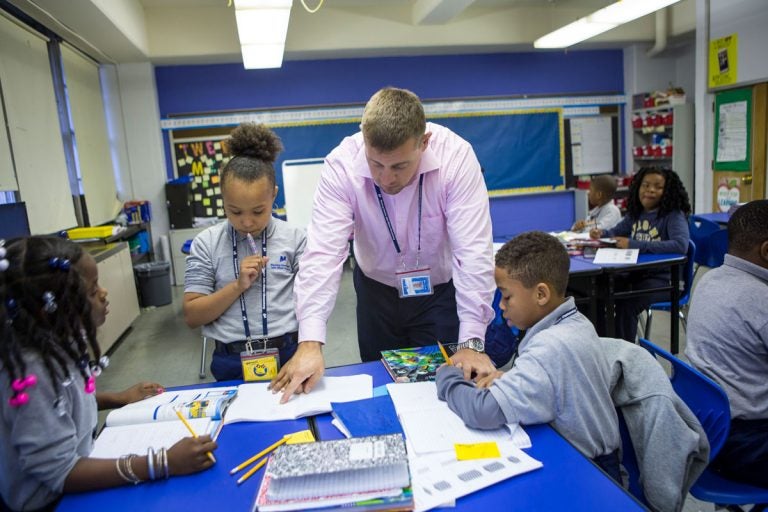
x=252 y=471
x=192 y=431
x=445 y=354
x=261 y=453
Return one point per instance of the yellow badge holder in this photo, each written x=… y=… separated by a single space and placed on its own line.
x=259 y=365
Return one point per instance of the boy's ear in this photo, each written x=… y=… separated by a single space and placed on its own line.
x=764 y=252
x=543 y=294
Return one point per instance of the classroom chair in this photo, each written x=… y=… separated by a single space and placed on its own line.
x=685 y=297
x=700 y=231
x=709 y=403
x=718 y=247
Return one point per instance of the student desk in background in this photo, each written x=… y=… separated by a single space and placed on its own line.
x=567 y=480
x=719 y=217
x=607 y=294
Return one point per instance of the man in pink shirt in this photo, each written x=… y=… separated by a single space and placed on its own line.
x=414 y=197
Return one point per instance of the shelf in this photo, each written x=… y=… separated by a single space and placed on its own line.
x=657 y=108
x=652 y=157
x=653 y=129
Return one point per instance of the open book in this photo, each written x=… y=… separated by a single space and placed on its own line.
x=256 y=402
x=193 y=403
x=153 y=423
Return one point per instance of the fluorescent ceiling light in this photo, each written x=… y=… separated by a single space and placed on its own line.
x=262 y=26
x=600 y=21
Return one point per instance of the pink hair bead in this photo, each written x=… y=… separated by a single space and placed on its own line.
x=18 y=400
x=18 y=384
x=90 y=385
x=30 y=380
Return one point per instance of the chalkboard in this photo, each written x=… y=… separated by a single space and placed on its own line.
x=202 y=159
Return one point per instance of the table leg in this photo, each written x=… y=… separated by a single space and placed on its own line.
x=610 y=308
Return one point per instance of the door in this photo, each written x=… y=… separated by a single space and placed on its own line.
x=744 y=180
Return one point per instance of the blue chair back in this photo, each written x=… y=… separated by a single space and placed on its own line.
x=718 y=247
x=700 y=230
x=687 y=280
x=702 y=395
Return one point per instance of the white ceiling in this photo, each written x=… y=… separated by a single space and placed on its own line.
x=204 y=31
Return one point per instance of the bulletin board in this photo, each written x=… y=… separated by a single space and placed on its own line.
x=519 y=150
x=733 y=130
x=202 y=159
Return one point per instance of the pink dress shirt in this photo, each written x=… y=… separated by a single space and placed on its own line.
x=456 y=240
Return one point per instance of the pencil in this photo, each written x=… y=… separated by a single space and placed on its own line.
x=261 y=453
x=445 y=354
x=251 y=471
x=192 y=431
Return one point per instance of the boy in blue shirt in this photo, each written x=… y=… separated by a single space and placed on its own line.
x=560 y=375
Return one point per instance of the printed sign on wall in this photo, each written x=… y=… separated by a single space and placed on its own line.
x=723 y=60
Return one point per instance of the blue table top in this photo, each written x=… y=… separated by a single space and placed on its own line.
x=645 y=260
x=568 y=480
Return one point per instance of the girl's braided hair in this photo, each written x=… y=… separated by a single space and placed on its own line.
x=59 y=336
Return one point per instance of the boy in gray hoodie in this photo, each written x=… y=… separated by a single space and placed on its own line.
x=560 y=375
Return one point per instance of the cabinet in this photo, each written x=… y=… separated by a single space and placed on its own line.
x=177 y=238
x=116 y=275
x=663 y=137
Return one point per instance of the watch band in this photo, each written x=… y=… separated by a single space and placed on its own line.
x=476 y=344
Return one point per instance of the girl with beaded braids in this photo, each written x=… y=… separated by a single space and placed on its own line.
x=50 y=307
x=238 y=284
x=656 y=222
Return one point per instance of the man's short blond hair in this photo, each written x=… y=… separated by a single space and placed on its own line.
x=391 y=117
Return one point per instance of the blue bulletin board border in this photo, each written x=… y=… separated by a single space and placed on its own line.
x=520 y=149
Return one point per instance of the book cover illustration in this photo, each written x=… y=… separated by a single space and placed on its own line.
x=416 y=364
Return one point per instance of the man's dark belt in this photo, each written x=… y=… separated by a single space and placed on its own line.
x=278 y=342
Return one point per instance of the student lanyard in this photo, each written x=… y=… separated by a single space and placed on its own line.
x=243 y=310
x=559 y=319
x=389 y=222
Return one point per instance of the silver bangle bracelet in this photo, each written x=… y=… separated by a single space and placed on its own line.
x=122 y=475
x=165 y=464
x=129 y=469
x=151 y=462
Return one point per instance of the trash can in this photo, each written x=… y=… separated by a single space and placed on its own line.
x=153 y=281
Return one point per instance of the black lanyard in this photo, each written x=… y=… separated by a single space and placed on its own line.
x=389 y=223
x=243 y=310
x=562 y=317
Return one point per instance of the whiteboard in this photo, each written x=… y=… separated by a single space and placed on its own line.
x=591 y=145
x=300 y=179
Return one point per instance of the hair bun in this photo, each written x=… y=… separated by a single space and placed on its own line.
x=255 y=141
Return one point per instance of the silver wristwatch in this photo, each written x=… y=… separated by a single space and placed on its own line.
x=476 y=344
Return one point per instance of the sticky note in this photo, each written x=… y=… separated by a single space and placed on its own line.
x=192 y=186
x=207 y=201
x=218 y=156
x=189 y=159
x=217 y=190
x=217 y=145
x=181 y=162
x=219 y=202
x=198 y=197
x=215 y=178
x=209 y=192
x=206 y=177
x=220 y=212
x=477 y=451
x=302 y=436
x=198 y=179
x=209 y=212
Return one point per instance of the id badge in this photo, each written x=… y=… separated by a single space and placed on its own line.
x=414 y=283
x=260 y=364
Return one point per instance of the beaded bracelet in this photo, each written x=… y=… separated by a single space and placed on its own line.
x=151 y=462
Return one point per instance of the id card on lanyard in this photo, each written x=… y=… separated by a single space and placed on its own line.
x=258 y=364
x=416 y=282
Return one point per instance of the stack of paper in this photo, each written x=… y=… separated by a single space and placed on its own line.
x=337 y=473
